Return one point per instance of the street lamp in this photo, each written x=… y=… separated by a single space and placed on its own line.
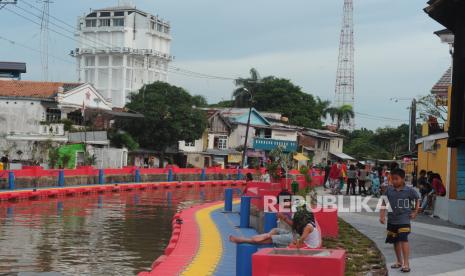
x=248 y=125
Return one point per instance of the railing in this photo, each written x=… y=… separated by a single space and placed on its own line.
x=37 y=171
x=270 y=144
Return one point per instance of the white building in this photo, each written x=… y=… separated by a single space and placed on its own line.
x=32 y=114
x=121 y=49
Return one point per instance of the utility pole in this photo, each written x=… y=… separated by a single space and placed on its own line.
x=247 y=127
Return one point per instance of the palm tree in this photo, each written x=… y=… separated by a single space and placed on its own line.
x=342 y=114
x=241 y=99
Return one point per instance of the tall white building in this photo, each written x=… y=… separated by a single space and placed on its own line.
x=121 y=49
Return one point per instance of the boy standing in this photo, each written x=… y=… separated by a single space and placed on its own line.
x=401 y=200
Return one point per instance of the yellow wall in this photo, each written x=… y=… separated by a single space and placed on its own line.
x=437 y=162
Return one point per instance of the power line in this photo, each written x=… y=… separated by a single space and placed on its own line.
x=175 y=70
x=371 y=116
x=33 y=49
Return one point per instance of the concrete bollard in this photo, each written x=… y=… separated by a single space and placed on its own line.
x=228 y=198
x=239 y=174
x=245 y=212
x=61 y=178
x=244 y=252
x=270 y=222
x=137 y=176
x=101 y=176
x=203 y=175
x=11 y=180
x=170 y=175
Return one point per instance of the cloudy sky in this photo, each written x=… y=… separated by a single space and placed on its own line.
x=397 y=54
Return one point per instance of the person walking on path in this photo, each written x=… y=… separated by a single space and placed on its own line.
x=335 y=176
x=401 y=199
x=327 y=171
x=362 y=179
x=351 y=179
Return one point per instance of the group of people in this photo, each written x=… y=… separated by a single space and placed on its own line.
x=339 y=173
x=430 y=186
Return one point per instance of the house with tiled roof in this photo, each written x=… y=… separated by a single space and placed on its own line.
x=34 y=113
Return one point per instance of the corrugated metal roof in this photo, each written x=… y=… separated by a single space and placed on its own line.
x=442 y=86
x=13 y=66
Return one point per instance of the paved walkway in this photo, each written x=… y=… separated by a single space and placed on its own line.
x=437 y=247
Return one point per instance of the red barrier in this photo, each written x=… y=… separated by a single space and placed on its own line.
x=327 y=219
x=276 y=262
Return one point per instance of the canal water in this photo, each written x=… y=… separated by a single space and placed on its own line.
x=107 y=234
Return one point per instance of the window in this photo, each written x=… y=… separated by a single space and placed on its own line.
x=189 y=143
x=118 y=22
x=120 y=13
x=105 y=14
x=220 y=142
x=76 y=117
x=92 y=14
x=52 y=115
x=166 y=30
x=159 y=27
x=91 y=23
x=319 y=144
x=152 y=25
x=90 y=61
x=104 y=22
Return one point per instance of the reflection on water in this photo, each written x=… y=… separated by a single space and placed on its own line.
x=108 y=234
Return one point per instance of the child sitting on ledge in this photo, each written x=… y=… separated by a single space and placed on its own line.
x=303 y=224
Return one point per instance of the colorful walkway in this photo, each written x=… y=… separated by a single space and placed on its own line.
x=203 y=247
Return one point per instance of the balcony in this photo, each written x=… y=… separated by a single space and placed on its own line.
x=270 y=144
x=52 y=129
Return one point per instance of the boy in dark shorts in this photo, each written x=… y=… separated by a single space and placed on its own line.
x=401 y=200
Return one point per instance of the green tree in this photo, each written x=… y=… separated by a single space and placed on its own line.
x=282 y=96
x=241 y=98
x=169 y=117
x=121 y=139
x=339 y=115
x=384 y=143
x=199 y=101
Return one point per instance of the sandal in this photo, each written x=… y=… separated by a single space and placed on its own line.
x=405 y=270
x=396 y=265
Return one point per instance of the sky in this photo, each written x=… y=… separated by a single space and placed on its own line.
x=396 y=53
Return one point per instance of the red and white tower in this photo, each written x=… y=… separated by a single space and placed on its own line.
x=345 y=69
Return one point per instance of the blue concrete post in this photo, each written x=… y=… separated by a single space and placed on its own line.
x=229 y=176
x=245 y=212
x=461 y=171
x=239 y=174
x=270 y=222
x=61 y=178
x=11 y=180
x=101 y=176
x=228 y=198
x=137 y=176
x=244 y=252
x=203 y=176
x=170 y=175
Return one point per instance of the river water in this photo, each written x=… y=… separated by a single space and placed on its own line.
x=107 y=234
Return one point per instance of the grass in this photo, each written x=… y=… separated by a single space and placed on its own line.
x=363 y=256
